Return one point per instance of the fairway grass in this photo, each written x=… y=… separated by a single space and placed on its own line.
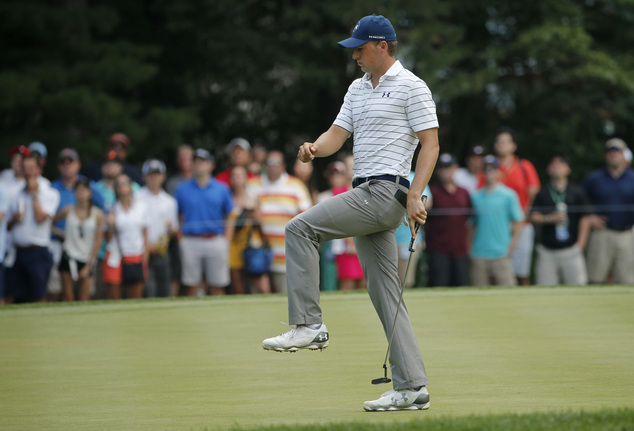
x=195 y=364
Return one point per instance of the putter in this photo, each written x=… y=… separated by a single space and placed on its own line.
x=412 y=248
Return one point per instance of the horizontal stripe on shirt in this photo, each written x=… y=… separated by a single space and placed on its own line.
x=385 y=120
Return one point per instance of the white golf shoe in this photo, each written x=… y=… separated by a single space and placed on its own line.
x=407 y=399
x=300 y=337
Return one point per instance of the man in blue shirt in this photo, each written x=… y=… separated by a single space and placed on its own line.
x=69 y=164
x=495 y=229
x=206 y=230
x=611 y=191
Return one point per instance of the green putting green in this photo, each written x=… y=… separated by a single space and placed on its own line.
x=198 y=364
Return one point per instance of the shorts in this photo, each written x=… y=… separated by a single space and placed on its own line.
x=208 y=256
x=498 y=271
x=114 y=274
x=610 y=251
x=348 y=267
x=64 y=264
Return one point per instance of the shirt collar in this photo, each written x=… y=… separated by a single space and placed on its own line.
x=392 y=71
x=282 y=179
x=206 y=186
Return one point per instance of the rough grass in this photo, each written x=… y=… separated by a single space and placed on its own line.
x=605 y=420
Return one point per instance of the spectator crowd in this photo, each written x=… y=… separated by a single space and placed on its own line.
x=107 y=230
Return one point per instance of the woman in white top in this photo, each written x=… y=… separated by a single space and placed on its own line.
x=127 y=252
x=82 y=237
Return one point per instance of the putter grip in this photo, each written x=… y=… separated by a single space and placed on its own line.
x=414 y=240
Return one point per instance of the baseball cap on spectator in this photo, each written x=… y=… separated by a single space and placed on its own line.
x=153 y=166
x=120 y=138
x=478 y=150
x=19 y=149
x=38 y=147
x=201 y=153
x=68 y=153
x=111 y=156
x=446 y=160
x=239 y=142
x=615 y=144
x=336 y=167
x=371 y=27
x=491 y=161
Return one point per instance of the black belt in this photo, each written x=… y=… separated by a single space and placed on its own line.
x=400 y=180
x=30 y=247
x=620 y=228
x=202 y=235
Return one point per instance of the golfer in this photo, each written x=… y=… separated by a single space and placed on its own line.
x=388 y=110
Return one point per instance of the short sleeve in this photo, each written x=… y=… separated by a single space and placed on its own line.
x=344 y=118
x=420 y=107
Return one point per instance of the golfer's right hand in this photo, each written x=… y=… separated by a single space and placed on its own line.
x=307 y=152
x=416 y=213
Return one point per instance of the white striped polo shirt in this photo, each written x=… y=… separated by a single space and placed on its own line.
x=385 y=120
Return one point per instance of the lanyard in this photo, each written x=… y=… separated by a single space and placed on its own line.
x=557 y=197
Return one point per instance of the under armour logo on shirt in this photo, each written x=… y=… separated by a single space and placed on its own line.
x=386 y=94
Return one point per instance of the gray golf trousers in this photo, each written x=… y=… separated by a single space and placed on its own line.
x=370 y=213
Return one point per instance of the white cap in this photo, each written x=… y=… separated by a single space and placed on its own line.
x=153 y=165
x=240 y=142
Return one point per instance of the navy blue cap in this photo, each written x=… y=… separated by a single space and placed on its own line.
x=491 y=160
x=371 y=27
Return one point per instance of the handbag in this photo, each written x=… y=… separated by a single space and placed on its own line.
x=257 y=260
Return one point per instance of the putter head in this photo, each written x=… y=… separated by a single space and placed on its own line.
x=384 y=379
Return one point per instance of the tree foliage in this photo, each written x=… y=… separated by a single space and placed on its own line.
x=203 y=71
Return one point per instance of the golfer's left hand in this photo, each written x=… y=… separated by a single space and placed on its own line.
x=416 y=213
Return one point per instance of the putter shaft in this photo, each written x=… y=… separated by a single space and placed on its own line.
x=412 y=248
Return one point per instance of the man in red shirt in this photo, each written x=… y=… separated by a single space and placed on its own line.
x=446 y=228
x=239 y=155
x=521 y=176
